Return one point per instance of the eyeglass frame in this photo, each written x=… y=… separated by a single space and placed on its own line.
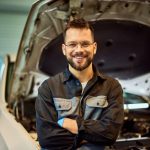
x=88 y=44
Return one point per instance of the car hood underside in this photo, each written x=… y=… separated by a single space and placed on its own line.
x=122 y=31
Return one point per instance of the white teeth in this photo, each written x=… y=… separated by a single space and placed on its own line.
x=78 y=57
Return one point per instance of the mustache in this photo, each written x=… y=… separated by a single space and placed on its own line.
x=80 y=54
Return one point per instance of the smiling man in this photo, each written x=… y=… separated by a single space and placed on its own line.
x=79 y=108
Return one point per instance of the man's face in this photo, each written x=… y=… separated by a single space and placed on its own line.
x=79 y=48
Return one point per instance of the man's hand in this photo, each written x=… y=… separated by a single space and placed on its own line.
x=70 y=125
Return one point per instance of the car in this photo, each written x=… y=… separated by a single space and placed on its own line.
x=135 y=131
x=12 y=133
x=122 y=30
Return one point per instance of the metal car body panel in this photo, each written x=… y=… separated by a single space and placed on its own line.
x=13 y=136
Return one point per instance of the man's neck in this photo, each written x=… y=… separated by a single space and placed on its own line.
x=84 y=75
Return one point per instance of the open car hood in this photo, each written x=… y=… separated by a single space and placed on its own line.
x=122 y=31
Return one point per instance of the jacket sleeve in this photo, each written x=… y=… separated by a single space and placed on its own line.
x=105 y=130
x=50 y=134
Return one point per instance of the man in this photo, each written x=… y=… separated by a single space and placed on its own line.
x=79 y=108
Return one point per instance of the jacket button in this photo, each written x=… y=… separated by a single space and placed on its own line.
x=59 y=106
x=77 y=83
x=97 y=103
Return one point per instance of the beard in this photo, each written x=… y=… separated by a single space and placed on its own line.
x=80 y=67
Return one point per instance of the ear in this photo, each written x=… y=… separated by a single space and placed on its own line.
x=95 y=47
x=64 y=49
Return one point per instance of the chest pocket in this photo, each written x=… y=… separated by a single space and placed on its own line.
x=94 y=107
x=99 y=101
x=63 y=107
x=63 y=104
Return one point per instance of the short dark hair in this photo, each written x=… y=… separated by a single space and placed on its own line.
x=79 y=24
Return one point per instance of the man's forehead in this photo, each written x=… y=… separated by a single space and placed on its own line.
x=78 y=33
x=78 y=29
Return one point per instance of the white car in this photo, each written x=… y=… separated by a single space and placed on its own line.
x=13 y=136
x=122 y=30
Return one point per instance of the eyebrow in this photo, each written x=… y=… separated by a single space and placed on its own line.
x=79 y=41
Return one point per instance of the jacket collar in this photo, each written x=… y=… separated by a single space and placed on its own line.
x=68 y=75
x=98 y=74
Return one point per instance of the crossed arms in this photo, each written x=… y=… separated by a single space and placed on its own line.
x=52 y=135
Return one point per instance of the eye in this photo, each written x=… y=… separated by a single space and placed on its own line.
x=72 y=45
x=85 y=44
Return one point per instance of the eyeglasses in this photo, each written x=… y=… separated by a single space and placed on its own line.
x=83 y=44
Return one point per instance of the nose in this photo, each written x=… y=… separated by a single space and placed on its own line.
x=79 y=47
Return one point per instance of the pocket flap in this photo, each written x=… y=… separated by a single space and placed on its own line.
x=62 y=104
x=99 y=101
